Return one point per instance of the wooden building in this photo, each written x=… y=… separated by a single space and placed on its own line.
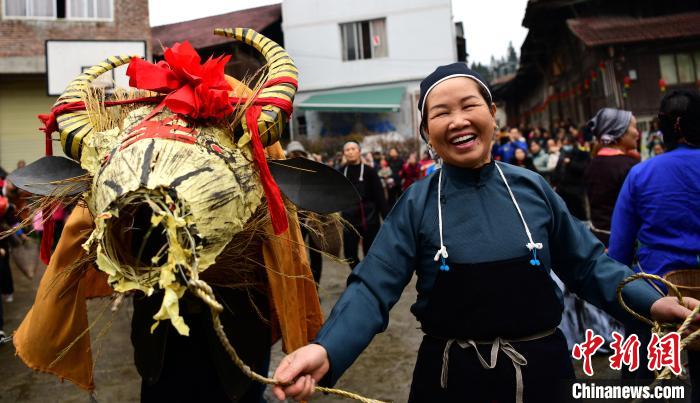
x=245 y=60
x=582 y=55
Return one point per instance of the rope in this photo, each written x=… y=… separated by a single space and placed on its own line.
x=532 y=244
x=205 y=293
x=657 y=327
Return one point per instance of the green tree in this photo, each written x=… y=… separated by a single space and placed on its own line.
x=481 y=69
x=512 y=56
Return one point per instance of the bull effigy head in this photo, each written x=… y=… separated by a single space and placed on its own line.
x=182 y=170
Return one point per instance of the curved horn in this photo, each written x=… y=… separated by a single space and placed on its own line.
x=272 y=119
x=74 y=126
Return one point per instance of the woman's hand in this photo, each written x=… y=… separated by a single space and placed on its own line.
x=305 y=367
x=668 y=310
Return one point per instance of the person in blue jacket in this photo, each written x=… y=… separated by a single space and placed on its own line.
x=656 y=216
x=657 y=213
x=506 y=152
x=482 y=237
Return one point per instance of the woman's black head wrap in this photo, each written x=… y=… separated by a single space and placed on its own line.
x=443 y=73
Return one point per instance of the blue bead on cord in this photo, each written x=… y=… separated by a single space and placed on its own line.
x=534 y=261
x=444 y=266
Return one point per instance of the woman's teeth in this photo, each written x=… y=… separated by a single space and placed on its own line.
x=463 y=139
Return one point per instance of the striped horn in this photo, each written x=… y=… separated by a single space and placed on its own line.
x=74 y=126
x=272 y=119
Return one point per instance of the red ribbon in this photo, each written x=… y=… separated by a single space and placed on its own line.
x=199 y=91
x=47 y=236
x=275 y=205
x=50 y=121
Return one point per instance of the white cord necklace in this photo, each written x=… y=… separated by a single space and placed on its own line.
x=441 y=253
x=362 y=171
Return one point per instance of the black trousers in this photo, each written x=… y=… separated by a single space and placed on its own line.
x=6 y=284
x=196 y=368
x=351 y=242
x=198 y=379
x=546 y=376
x=315 y=257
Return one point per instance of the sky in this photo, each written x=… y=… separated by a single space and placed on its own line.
x=489 y=25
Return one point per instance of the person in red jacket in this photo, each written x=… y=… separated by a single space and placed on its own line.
x=410 y=172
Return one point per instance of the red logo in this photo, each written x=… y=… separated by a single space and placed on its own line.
x=662 y=351
x=665 y=352
x=626 y=353
x=586 y=349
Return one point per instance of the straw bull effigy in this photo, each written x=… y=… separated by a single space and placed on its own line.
x=177 y=188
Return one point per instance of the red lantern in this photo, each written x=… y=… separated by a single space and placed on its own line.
x=586 y=84
x=662 y=85
x=594 y=75
x=601 y=66
x=626 y=82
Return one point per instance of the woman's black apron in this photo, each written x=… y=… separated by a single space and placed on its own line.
x=503 y=313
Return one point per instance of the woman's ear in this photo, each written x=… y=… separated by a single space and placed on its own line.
x=492 y=109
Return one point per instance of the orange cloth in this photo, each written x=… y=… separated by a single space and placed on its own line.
x=294 y=300
x=59 y=314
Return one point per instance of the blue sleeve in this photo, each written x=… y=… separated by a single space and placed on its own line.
x=373 y=288
x=579 y=259
x=625 y=224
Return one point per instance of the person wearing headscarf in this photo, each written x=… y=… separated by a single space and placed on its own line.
x=365 y=216
x=656 y=218
x=616 y=130
x=482 y=237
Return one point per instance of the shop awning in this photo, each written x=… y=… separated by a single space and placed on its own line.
x=377 y=100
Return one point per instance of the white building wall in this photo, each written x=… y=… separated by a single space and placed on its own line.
x=420 y=36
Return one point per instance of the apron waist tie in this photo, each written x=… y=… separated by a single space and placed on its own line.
x=497 y=345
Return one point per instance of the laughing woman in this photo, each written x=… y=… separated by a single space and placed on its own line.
x=482 y=237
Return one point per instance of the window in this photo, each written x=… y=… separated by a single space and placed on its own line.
x=364 y=39
x=90 y=9
x=30 y=8
x=60 y=9
x=680 y=68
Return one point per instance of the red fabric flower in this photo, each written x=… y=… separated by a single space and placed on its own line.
x=199 y=91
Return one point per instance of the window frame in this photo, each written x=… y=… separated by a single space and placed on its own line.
x=358 y=36
x=29 y=17
x=95 y=2
x=4 y=15
x=693 y=57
